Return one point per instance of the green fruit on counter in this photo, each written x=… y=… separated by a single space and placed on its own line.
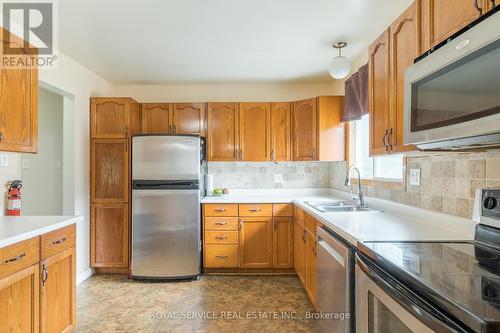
x=218 y=191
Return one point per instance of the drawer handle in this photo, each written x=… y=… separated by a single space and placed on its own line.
x=221 y=257
x=59 y=241
x=220 y=210
x=19 y=257
x=254 y=210
x=220 y=223
x=220 y=237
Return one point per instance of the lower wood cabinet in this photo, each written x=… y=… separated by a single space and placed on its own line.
x=221 y=256
x=283 y=242
x=256 y=242
x=299 y=255
x=311 y=274
x=109 y=235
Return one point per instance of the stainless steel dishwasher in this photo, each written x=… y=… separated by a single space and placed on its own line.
x=335 y=283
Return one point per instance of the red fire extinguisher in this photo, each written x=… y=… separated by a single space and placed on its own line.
x=14 y=198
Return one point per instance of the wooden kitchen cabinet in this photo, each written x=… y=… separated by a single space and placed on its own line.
x=256 y=242
x=109 y=235
x=282 y=242
x=18 y=104
x=305 y=127
x=378 y=94
x=491 y=4
x=299 y=252
x=254 y=136
x=58 y=292
x=109 y=170
x=110 y=117
x=188 y=118
x=222 y=132
x=404 y=48
x=155 y=118
x=280 y=125
x=311 y=265
x=442 y=18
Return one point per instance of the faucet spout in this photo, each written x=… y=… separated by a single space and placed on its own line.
x=347 y=183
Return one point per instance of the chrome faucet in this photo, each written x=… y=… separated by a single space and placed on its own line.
x=347 y=183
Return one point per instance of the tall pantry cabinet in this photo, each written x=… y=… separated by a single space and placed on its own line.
x=113 y=121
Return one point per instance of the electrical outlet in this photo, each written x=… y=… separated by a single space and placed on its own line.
x=278 y=178
x=25 y=163
x=415 y=177
x=4 y=160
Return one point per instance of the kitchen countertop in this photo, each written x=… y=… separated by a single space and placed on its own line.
x=15 y=229
x=357 y=227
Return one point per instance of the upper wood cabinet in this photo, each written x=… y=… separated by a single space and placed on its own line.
x=18 y=104
x=254 y=137
x=283 y=242
x=109 y=170
x=155 y=118
x=305 y=130
x=256 y=242
x=442 y=18
x=109 y=235
x=188 y=118
x=222 y=132
x=405 y=47
x=280 y=124
x=110 y=117
x=378 y=94
x=58 y=293
x=317 y=131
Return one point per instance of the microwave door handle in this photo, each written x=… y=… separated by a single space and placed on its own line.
x=407 y=299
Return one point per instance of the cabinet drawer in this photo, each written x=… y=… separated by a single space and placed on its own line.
x=16 y=257
x=221 y=223
x=298 y=213
x=57 y=241
x=221 y=237
x=282 y=210
x=310 y=223
x=221 y=256
x=256 y=210
x=220 y=209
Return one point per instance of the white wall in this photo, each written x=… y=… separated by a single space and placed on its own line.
x=228 y=93
x=42 y=174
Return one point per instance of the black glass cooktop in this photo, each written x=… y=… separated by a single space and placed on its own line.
x=461 y=278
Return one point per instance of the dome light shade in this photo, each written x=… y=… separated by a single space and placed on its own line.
x=340 y=67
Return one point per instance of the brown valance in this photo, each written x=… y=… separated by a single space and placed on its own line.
x=356 y=95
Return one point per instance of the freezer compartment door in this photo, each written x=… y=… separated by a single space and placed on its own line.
x=166 y=157
x=166 y=236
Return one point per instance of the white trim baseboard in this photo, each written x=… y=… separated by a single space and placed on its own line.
x=84 y=276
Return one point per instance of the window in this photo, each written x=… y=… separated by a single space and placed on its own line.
x=388 y=167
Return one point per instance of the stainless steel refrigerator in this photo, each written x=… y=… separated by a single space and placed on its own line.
x=167 y=186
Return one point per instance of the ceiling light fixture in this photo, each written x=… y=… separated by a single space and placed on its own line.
x=340 y=67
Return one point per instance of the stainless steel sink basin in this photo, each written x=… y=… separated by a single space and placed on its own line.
x=336 y=206
x=346 y=209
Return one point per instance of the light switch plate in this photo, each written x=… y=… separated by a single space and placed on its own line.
x=25 y=163
x=278 y=178
x=4 y=160
x=415 y=177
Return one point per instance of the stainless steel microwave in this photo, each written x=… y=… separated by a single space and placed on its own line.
x=452 y=96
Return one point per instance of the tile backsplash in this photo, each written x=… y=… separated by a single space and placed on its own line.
x=261 y=174
x=448 y=180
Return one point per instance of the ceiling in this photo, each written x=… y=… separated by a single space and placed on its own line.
x=218 y=41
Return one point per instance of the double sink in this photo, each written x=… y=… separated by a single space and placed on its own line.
x=336 y=206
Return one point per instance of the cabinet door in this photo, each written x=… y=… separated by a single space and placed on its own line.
x=110 y=117
x=188 y=118
x=311 y=274
x=299 y=251
x=18 y=105
x=19 y=301
x=442 y=18
x=109 y=170
x=254 y=132
x=58 y=293
x=109 y=236
x=378 y=94
x=491 y=4
x=280 y=132
x=222 y=132
x=256 y=242
x=283 y=242
x=155 y=118
x=405 y=47
x=305 y=130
